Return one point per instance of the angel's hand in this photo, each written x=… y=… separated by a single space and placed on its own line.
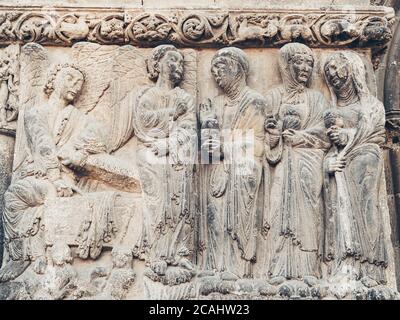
x=74 y=159
x=64 y=189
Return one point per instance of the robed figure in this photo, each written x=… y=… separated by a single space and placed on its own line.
x=233 y=136
x=355 y=191
x=295 y=147
x=164 y=121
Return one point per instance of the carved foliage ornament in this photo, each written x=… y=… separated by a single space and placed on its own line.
x=198 y=28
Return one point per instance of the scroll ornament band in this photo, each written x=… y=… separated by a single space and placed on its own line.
x=193 y=28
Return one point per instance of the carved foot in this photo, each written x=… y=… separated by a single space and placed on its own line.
x=341 y=290
x=171 y=276
x=228 y=276
x=206 y=273
x=311 y=281
x=13 y=269
x=39 y=265
x=177 y=275
x=159 y=267
x=277 y=280
x=369 y=282
x=186 y=264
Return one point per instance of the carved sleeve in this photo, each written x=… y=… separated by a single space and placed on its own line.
x=41 y=145
x=273 y=142
x=314 y=134
x=152 y=117
x=258 y=127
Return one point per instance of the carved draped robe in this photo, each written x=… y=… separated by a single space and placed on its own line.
x=294 y=208
x=232 y=219
x=166 y=181
x=356 y=198
x=48 y=135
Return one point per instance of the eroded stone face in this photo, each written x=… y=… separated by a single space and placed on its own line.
x=193 y=169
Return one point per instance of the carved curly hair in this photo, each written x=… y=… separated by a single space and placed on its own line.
x=49 y=87
x=153 y=67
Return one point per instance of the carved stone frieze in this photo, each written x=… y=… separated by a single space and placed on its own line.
x=261 y=28
x=187 y=153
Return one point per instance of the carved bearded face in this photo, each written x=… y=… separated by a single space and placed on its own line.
x=172 y=64
x=301 y=67
x=69 y=84
x=337 y=72
x=225 y=71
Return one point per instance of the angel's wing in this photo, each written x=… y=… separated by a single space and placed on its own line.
x=113 y=74
x=129 y=77
x=189 y=82
x=34 y=64
x=95 y=61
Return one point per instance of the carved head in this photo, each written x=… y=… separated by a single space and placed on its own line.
x=228 y=66
x=296 y=62
x=337 y=71
x=166 y=61
x=345 y=71
x=66 y=81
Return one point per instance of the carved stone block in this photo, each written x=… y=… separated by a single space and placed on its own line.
x=221 y=151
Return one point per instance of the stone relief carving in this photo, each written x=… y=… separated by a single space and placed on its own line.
x=198 y=28
x=59 y=146
x=59 y=138
x=164 y=121
x=295 y=147
x=232 y=186
x=9 y=95
x=354 y=180
x=277 y=194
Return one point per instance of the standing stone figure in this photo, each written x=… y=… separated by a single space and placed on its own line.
x=165 y=124
x=234 y=175
x=295 y=147
x=59 y=138
x=355 y=193
x=9 y=86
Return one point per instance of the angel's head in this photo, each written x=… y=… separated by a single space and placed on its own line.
x=167 y=62
x=66 y=81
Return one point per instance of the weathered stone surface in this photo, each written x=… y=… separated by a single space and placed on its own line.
x=145 y=155
x=271 y=27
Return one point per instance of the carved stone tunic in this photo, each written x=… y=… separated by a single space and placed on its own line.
x=167 y=181
x=295 y=208
x=233 y=185
x=355 y=198
x=48 y=135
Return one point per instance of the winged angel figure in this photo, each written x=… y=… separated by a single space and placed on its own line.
x=72 y=126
